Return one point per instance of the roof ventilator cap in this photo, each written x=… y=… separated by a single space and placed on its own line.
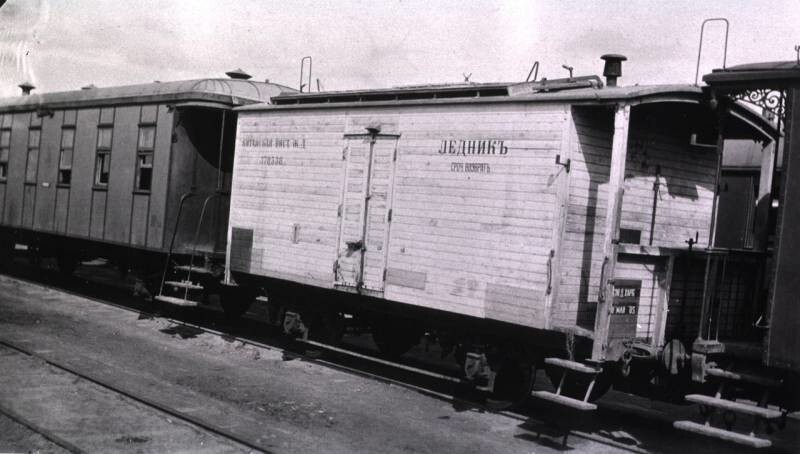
x=613 y=68
x=88 y=87
x=26 y=88
x=238 y=74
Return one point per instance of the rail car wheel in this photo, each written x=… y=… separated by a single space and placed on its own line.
x=513 y=384
x=394 y=338
x=6 y=251
x=67 y=263
x=326 y=327
x=236 y=301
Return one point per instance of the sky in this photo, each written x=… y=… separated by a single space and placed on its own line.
x=65 y=44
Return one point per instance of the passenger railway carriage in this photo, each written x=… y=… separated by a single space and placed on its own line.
x=567 y=224
x=122 y=172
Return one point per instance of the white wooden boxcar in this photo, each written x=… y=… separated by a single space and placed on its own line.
x=481 y=208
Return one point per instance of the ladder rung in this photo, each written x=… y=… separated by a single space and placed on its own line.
x=176 y=301
x=739 y=376
x=564 y=400
x=193 y=269
x=737 y=407
x=571 y=365
x=184 y=284
x=723 y=434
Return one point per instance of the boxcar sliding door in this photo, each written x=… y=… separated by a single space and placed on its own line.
x=366 y=203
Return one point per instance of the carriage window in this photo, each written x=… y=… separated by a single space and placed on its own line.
x=32 y=165
x=65 y=157
x=102 y=164
x=5 y=145
x=144 y=158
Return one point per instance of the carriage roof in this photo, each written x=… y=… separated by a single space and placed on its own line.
x=216 y=92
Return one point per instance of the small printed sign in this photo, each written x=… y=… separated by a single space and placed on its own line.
x=624 y=309
x=626 y=297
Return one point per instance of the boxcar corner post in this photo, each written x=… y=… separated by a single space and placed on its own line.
x=616 y=180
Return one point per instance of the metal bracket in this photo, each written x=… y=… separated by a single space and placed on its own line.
x=768 y=100
x=564 y=164
x=355 y=245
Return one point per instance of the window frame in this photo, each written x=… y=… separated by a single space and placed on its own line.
x=7 y=149
x=30 y=149
x=105 y=152
x=143 y=152
x=71 y=148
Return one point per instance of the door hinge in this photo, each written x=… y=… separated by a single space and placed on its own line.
x=335 y=268
x=339 y=211
x=344 y=153
x=384 y=275
x=389 y=216
x=394 y=157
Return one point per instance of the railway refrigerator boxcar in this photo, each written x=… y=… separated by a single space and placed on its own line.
x=121 y=172
x=490 y=216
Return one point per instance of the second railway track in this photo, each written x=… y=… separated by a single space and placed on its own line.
x=70 y=408
x=428 y=382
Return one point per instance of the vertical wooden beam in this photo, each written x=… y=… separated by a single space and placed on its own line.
x=662 y=310
x=560 y=221
x=616 y=181
x=764 y=199
x=712 y=231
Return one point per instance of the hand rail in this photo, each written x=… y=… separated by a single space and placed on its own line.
x=197 y=236
x=550 y=272
x=700 y=49
x=601 y=295
x=184 y=197
x=302 y=69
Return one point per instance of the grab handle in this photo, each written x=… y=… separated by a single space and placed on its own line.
x=601 y=296
x=550 y=271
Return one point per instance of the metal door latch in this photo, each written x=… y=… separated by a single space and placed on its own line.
x=355 y=245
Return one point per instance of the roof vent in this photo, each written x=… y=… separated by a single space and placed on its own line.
x=26 y=88
x=88 y=87
x=238 y=74
x=613 y=68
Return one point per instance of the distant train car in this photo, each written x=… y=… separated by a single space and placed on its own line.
x=121 y=172
x=521 y=224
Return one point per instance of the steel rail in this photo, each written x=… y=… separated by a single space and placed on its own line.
x=47 y=434
x=220 y=431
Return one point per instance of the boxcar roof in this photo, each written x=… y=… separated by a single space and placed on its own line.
x=582 y=91
x=222 y=92
x=577 y=91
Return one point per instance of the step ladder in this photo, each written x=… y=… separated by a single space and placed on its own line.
x=184 y=285
x=181 y=284
x=569 y=366
x=711 y=405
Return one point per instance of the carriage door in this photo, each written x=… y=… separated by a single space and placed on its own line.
x=365 y=211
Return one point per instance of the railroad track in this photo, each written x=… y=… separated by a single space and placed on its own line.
x=360 y=362
x=160 y=409
x=434 y=384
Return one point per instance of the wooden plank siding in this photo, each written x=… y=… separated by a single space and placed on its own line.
x=683 y=205
x=80 y=199
x=469 y=233
x=16 y=169
x=79 y=209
